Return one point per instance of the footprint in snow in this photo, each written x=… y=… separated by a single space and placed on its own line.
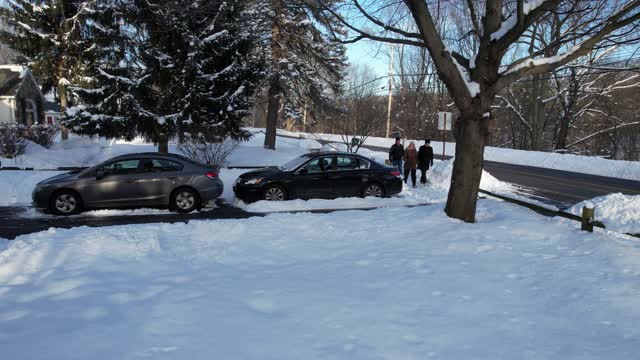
x=264 y=305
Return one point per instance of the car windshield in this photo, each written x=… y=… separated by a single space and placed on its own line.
x=294 y=163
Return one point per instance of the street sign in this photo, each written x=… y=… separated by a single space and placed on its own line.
x=445 y=121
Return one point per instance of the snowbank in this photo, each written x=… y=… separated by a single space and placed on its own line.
x=582 y=164
x=618 y=212
x=385 y=284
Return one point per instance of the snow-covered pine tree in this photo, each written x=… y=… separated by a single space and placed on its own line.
x=50 y=34
x=162 y=69
x=305 y=65
x=222 y=70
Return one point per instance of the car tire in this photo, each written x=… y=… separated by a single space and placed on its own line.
x=184 y=200
x=274 y=193
x=65 y=202
x=373 y=189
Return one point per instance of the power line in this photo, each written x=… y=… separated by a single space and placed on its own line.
x=598 y=72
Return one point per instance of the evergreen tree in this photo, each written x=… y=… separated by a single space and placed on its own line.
x=50 y=34
x=162 y=69
x=306 y=65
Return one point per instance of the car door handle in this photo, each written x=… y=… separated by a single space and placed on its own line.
x=130 y=180
x=172 y=177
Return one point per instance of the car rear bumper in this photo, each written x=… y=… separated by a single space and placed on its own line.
x=394 y=187
x=211 y=192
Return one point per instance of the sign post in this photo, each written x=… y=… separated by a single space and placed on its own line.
x=444 y=124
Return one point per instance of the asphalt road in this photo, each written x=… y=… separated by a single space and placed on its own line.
x=13 y=223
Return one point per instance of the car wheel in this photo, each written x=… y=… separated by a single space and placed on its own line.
x=373 y=189
x=274 y=193
x=184 y=200
x=65 y=202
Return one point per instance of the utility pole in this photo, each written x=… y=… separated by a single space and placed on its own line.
x=390 y=92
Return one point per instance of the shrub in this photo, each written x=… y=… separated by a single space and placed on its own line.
x=208 y=153
x=12 y=142
x=42 y=135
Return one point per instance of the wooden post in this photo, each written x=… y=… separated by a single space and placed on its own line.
x=588 y=215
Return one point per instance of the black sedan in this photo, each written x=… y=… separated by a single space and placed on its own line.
x=325 y=175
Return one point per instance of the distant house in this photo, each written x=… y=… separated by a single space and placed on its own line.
x=21 y=100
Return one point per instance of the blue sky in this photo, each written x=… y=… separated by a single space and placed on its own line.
x=368 y=53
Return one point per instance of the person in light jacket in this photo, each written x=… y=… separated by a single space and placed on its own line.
x=396 y=152
x=425 y=160
x=410 y=163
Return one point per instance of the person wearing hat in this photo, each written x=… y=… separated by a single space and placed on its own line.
x=425 y=160
x=410 y=163
x=396 y=153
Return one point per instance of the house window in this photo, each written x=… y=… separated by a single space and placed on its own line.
x=31 y=111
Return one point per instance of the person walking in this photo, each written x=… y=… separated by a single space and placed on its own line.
x=425 y=160
x=396 y=153
x=410 y=163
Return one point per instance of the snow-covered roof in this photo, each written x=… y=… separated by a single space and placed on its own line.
x=11 y=79
x=15 y=68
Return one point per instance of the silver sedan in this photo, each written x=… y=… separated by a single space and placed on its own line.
x=133 y=180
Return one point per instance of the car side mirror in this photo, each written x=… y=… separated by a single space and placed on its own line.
x=303 y=172
x=100 y=174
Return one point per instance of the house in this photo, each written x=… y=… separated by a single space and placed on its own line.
x=21 y=100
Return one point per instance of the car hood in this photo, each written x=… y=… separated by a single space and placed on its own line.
x=58 y=178
x=260 y=173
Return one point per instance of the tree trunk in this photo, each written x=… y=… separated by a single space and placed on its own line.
x=272 y=115
x=537 y=114
x=62 y=94
x=471 y=133
x=163 y=144
x=274 y=84
x=563 y=132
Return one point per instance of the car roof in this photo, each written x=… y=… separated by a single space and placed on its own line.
x=333 y=153
x=149 y=154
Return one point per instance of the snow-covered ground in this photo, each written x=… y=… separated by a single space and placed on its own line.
x=394 y=283
x=567 y=162
x=84 y=151
x=618 y=212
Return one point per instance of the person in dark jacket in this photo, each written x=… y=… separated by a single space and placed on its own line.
x=425 y=160
x=410 y=163
x=396 y=153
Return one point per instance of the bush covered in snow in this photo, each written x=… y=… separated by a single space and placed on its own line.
x=205 y=152
x=42 y=135
x=12 y=143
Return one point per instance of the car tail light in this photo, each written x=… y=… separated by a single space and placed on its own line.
x=211 y=175
x=396 y=173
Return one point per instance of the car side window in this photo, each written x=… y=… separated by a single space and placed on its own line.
x=160 y=165
x=328 y=163
x=347 y=163
x=314 y=166
x=363 y=164
x=320 y=164
x=121 y=167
